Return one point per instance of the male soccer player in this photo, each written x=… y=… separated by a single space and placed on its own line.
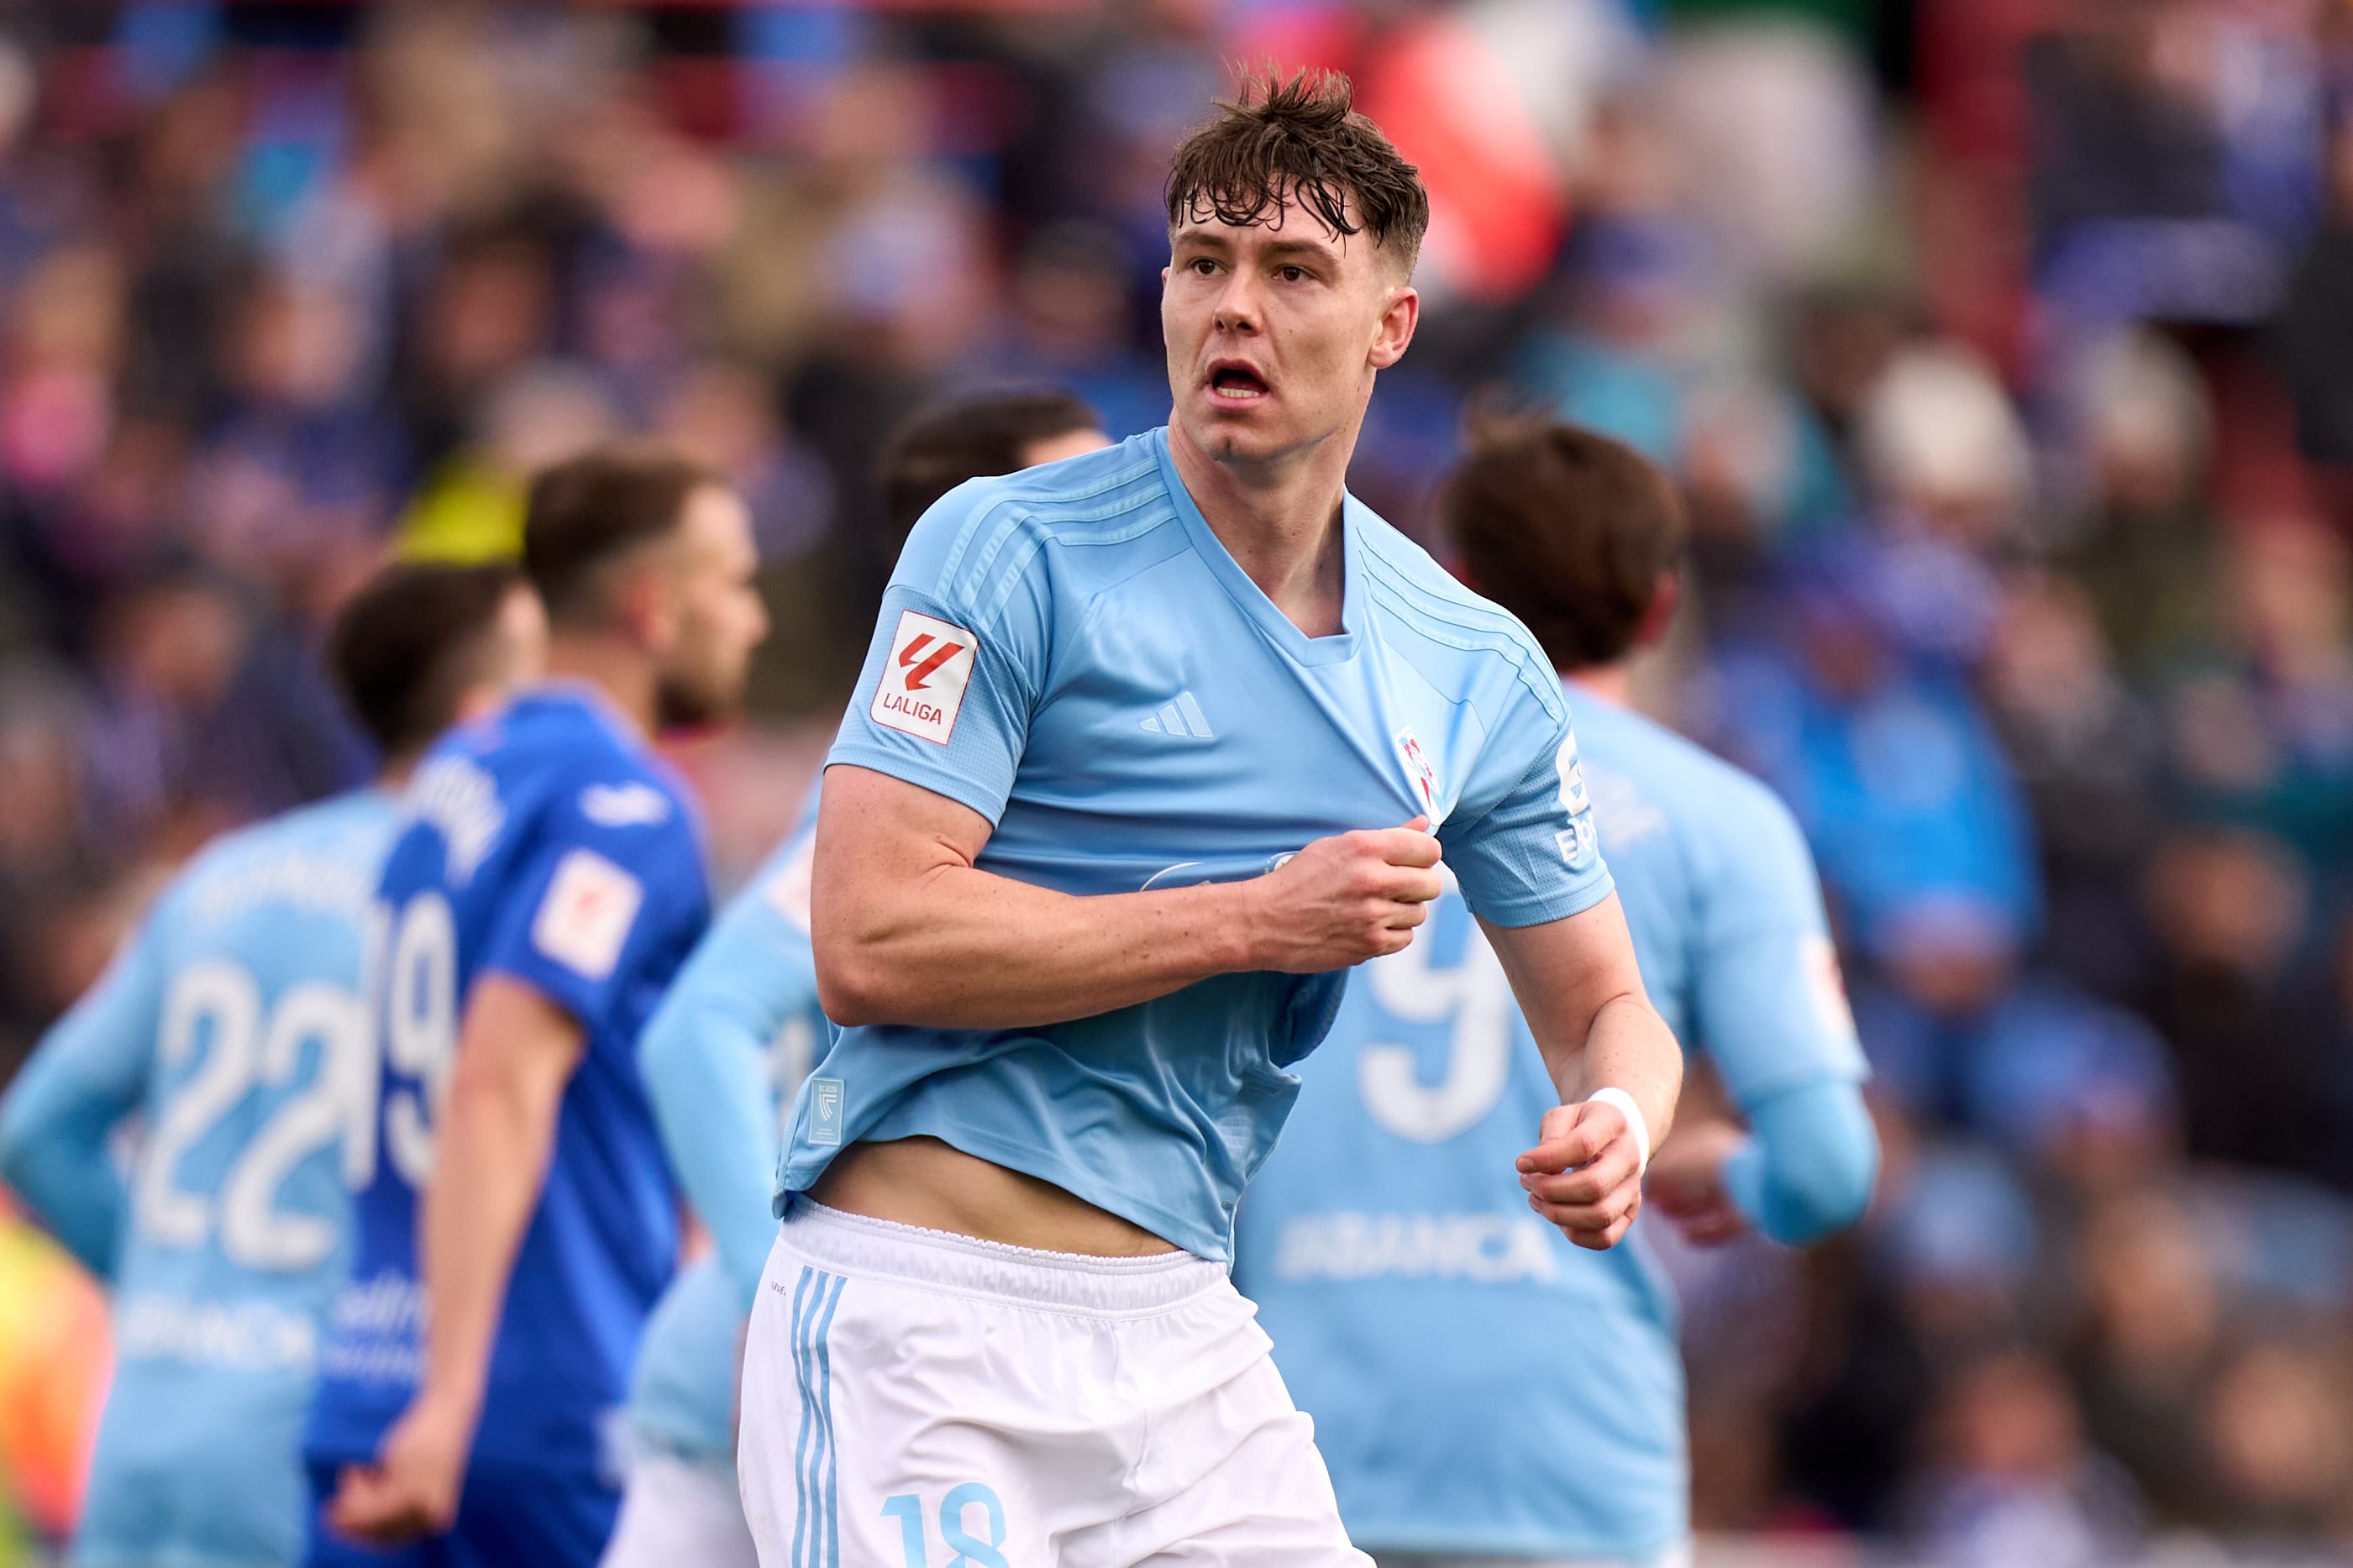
x=1480 y=1389
x=235 y=1024
x=738 y=1029
x=547 y=885
x=1149 y=746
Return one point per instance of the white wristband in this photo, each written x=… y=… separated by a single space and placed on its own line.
x=1633 y=1114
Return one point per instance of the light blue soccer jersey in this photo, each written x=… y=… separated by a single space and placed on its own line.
x=1479 y=1384
x=725 y=1050
x=549 y=844
x=234 y=1026
x=1071 y=652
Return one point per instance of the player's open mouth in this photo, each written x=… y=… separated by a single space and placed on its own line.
x=1236 y=384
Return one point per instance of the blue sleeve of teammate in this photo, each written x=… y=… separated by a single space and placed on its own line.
x=704 y=1063
x=958 y=661
x=1808 y=1167
x=89 y=1072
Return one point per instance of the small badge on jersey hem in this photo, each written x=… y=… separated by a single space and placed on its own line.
x=1421 y=773
x=827 y=1098
x=584 y=921
x=923 y=684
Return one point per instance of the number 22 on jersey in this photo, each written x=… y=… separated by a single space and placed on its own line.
x=212 y=1014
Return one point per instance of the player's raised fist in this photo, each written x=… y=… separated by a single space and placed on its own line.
x=1345 y=899
x=1585 y=1174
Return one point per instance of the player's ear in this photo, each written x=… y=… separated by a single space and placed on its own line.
x=1399 y=318
x=645 y=606
x=1661 y=611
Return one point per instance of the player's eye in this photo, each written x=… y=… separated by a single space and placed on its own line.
x=1291 y=274
x=1201 y=266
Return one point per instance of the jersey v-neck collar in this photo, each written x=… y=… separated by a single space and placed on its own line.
x=1279 y=628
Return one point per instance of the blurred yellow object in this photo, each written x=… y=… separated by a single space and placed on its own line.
x=467 y=511
x=56 y=1355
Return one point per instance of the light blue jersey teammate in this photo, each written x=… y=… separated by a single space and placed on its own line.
x=234 y=1026
x=722 y=1056
x=1481 y=1388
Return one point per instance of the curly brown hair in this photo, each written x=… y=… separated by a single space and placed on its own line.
x=1282 y=140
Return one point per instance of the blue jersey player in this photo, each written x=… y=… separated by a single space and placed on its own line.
x=740 y=1024
x=1480 y=1390
x=234 y=1027
x=1150 y=746
x=546 y=885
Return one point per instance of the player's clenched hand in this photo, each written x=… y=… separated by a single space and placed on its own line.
x=1345 y=899
x=1585 y=1174
x=412 y=1489
x=1686 y=1181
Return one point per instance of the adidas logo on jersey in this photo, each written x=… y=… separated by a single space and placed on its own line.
x=1182 y=718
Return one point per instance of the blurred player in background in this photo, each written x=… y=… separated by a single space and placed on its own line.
x=727 y=1049
x=546 y=888
x=236 y=1025
x=1151 y=745
x=1479 y=1388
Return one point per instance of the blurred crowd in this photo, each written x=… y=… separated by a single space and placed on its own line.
x=2004 y=349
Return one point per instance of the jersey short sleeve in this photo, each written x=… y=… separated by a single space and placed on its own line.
x=617 y=869
x=1770 y=1006
x=1530 y=853
x=88 y=1072
x=958 y=659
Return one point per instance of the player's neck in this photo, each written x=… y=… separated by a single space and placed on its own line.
x=1613 y=683
x=620 y=674
x=1281 y=523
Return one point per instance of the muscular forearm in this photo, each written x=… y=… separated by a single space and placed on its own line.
x=966 y=949
x=496 y=1138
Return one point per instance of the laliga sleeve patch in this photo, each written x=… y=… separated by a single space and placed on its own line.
x=585 y=916
x=922 y=689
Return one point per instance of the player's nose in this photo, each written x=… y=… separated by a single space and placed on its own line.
x=1237 y=307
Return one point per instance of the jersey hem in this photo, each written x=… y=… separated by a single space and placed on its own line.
x=1166 y=1225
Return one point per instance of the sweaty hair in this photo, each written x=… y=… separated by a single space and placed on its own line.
x=1570 y=531
x=586 y=512
x=409 y=644
x=1297 y=139
x=940 y=448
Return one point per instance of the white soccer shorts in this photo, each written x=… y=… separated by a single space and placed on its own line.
x=678 y=1514
x=914 y=1399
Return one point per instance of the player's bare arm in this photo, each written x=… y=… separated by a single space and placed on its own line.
x=517 y=1052
x=1576 y=981
x=908 y=930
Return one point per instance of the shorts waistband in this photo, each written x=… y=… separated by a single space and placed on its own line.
x=854 y=1244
